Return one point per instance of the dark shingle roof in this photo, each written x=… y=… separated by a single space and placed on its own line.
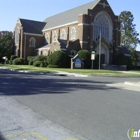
x=30 y=26
x=69 y=16
x=126 y=51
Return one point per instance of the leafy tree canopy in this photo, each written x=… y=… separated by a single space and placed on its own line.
x=129 y=35
x=6 y=44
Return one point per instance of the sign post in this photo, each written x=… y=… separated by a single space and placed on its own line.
x=92 y=58
x=5 y=58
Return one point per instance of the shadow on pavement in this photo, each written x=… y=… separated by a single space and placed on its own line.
x=1 y=137
x=14 y=83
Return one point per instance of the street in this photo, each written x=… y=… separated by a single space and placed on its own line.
x=86 y=108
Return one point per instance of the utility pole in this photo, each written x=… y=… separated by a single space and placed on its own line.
x=100 y=51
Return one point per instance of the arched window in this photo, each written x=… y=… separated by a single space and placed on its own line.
x=45 y=53
x=73 y=33
x=101 y=24
x=47 y=38
x=32 y=42
x=54 y=36
x=63 y=34
x=73 y=52
x=17 y=36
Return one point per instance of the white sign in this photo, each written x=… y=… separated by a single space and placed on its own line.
x=4 y=57
x=92 y=56
x=77 y=65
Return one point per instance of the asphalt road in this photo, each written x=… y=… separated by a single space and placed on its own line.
x=86 y=106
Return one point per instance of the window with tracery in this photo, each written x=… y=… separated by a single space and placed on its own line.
x=101 y=24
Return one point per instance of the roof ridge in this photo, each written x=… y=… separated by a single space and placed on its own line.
x=95 y=1
x=32 y=20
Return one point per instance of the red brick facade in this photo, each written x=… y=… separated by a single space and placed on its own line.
x=84 y=38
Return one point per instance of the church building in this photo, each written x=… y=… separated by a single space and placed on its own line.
x=70 y=31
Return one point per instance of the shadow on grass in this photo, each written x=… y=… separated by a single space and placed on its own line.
x=14 y=83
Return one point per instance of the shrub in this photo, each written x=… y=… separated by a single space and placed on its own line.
x=31 y=60
x=41 y=58
x=13 y=57
x=18 y=61
x=57 y=58
x=10 y=62
x=86 y=57
x=120 y=59
x=37 y=63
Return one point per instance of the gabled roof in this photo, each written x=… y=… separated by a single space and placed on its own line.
x=69 y=16
x=125 y=51
x=30 y=26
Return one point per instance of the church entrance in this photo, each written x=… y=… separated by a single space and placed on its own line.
x=104 y=50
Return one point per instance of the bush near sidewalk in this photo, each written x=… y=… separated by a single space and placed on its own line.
x=18 y=61
x=57 y=58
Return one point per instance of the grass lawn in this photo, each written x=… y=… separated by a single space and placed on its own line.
x=78 y=71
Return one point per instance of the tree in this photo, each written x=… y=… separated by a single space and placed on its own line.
x=86 y=56
x=129 y=35
x=6 y=44
x=134 y=56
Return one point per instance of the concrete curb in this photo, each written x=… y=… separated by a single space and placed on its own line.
x=65 y=74
x=132 y=83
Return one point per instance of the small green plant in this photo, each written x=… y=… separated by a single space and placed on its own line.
x=13 y=57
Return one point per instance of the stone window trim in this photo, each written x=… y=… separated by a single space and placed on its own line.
x=47 y=37
x=32 y=42
x=17 y=33
x=63 y=34
x=73 y=33
x=102 y=24
x=55 y=36
x=45 y=53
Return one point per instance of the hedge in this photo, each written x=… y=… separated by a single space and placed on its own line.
x=37 y=63
x=120 y=59
x=58 y=58
x=18 y=61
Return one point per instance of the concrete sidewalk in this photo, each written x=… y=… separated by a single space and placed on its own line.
x=58 y=73
x=132 y=83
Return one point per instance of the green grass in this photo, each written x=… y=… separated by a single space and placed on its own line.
x=78 y=71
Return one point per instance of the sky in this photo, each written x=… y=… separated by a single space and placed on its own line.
x=11 y=10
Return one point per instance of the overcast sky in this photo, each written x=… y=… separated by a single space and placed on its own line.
x=11 y=10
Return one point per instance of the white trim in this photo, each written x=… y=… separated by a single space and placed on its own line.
x=84 y=42
x=25 y=47
x=85 y=24
x=73 y=29
x=60 y=26
x=34 y=41
x=40 y=49
x=32 y=34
